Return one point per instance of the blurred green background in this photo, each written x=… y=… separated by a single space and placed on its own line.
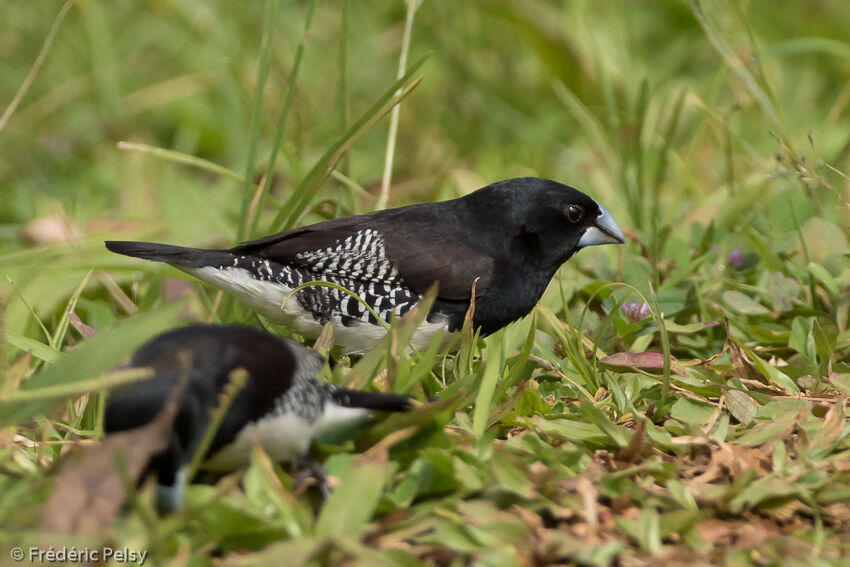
x=180 y=75
x=715 y=132
x=669 y=113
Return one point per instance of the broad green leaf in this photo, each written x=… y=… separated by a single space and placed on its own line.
x=763 y=489
x=825 y=278
x=692 y=411
x=617 y=434
x=802 y=340
x=782 y=291
x=744 y=304
x=39 y=350
x=530 y=402
x=764 y=432
x=484 y=399
x=741 y=406
x=571 y=430
x=511 y=478
x=353 y=502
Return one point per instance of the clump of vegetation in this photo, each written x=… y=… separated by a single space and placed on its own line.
x=680 y=399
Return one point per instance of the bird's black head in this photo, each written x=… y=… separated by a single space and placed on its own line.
x=552 y=221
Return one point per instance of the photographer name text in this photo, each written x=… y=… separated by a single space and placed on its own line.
x=79 y=555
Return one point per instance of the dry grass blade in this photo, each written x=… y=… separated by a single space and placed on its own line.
x=295 y=206
x=48 y=41
x=84 y=330
x=384 y=195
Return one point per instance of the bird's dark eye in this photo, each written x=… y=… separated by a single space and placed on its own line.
x=575 y=213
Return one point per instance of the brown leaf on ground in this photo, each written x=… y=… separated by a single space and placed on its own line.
x=325 y=340
x=544 y=546
x=652 y=362
x=741 y=366
x=589 y=497
x=786 y=512
x=760 y=386
x=832 y=425
x=728 y=460
x=715 y=531
x=631 y=452
x=753 y=534
x=837 y=513
x=91 y=485
x=90 y=488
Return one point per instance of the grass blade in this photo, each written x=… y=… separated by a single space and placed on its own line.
x=269 y=18
x=62 y=327
x=295 y=206
x=281 y=124
x=412 y=5
x=588 y=122
x=39 y=60
x=77 y=388
x=181 y=158
x=715 y=37
x=492 y=373
x=665 y=347
x=40 y=350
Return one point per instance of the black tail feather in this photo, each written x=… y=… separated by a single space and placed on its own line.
x=176 y=255
x=371 y=400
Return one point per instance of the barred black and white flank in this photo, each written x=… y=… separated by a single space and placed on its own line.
x=512 y=236
x=282 y=405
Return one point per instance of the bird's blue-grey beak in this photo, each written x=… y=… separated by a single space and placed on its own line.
x=603 y=231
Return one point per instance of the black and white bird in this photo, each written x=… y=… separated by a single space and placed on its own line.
x=282 y=405
x=511 y=236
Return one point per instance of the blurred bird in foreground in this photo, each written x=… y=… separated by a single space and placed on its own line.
x=282 y=406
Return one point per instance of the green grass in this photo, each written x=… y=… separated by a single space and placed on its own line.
x=714 y=132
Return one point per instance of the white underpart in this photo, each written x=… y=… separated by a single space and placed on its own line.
x=266 y=298
x=284 y=437
x=428 y=331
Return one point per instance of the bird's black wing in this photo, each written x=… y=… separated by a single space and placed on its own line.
x=420 y=243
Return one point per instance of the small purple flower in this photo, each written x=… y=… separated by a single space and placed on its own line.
x=634 y=311
x=736 y=259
